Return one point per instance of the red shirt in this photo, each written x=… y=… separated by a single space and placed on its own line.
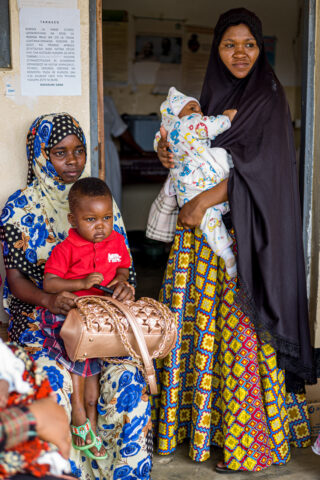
x=76 y=258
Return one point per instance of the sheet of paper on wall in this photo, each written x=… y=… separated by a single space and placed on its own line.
x=195 y=56
x=115 y=53
x=50 y=60
x=48 y=3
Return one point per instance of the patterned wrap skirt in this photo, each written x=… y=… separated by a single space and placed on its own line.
x=220 y=386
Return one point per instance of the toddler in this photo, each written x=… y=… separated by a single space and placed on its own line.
x=93 y=253
x=21 y=383
x=198 y=167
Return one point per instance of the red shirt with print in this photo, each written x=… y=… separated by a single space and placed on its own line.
x=76 y=258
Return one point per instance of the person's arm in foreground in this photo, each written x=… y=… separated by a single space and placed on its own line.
x=43 y=418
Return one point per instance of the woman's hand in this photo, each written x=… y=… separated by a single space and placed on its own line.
x=191 y=214
x=165 y=157
x=230 y=114
x=61 y=303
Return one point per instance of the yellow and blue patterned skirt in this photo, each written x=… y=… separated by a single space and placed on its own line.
x=220 y=386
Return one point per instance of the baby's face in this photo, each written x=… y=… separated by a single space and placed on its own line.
x=93 y=218
x=191 y=107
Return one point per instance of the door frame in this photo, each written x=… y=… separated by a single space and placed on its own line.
x=307 y=129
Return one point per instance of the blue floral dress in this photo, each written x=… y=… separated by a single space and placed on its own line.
x=33 y=221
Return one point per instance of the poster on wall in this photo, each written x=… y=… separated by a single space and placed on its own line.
x=163 y=49
x=195 y=58
x=50 y=59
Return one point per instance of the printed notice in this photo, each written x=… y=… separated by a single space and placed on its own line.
x=50 y=51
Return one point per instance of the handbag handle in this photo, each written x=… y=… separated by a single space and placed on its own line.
x=138 y=334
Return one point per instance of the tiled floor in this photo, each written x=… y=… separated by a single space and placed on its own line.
x=304 y=464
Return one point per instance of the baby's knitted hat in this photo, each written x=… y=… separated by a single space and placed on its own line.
x=178 y=100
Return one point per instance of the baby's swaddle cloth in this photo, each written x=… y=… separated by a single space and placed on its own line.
x=196 y=165
x=11 y=370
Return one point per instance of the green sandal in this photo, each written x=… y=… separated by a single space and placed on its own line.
x=98 y=446
x=82 y=432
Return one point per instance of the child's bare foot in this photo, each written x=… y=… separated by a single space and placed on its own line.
x=4 y=393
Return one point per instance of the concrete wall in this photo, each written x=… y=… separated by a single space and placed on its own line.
x=17 y=113
x=206 y=13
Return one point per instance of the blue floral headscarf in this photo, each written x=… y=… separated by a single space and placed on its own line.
x=40 y=210
x=49 y=189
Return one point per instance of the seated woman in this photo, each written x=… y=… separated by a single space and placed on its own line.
x=33 y=221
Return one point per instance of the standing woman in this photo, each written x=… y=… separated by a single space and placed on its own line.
x=243 y=345
x=33 y=221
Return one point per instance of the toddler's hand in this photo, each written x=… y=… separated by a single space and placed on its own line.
x=122 y=290
x=230 y=113
x=91 y=279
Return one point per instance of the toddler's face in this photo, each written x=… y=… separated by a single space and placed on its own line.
x=191 y=107
x=93 y=218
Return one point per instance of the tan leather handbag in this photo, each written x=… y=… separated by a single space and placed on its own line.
x=103 y=327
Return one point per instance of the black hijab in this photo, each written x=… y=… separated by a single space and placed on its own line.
x=264 y=199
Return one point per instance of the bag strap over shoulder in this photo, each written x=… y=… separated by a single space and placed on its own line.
x=138 y=333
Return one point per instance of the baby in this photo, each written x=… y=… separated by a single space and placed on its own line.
x=21 y=383
x=198 y=167
x=92 y=254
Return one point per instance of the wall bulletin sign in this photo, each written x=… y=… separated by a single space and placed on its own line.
x=50 y=51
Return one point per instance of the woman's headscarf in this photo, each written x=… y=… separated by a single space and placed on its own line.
x=39 y=212
x=49 y=189
x=264 y=199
